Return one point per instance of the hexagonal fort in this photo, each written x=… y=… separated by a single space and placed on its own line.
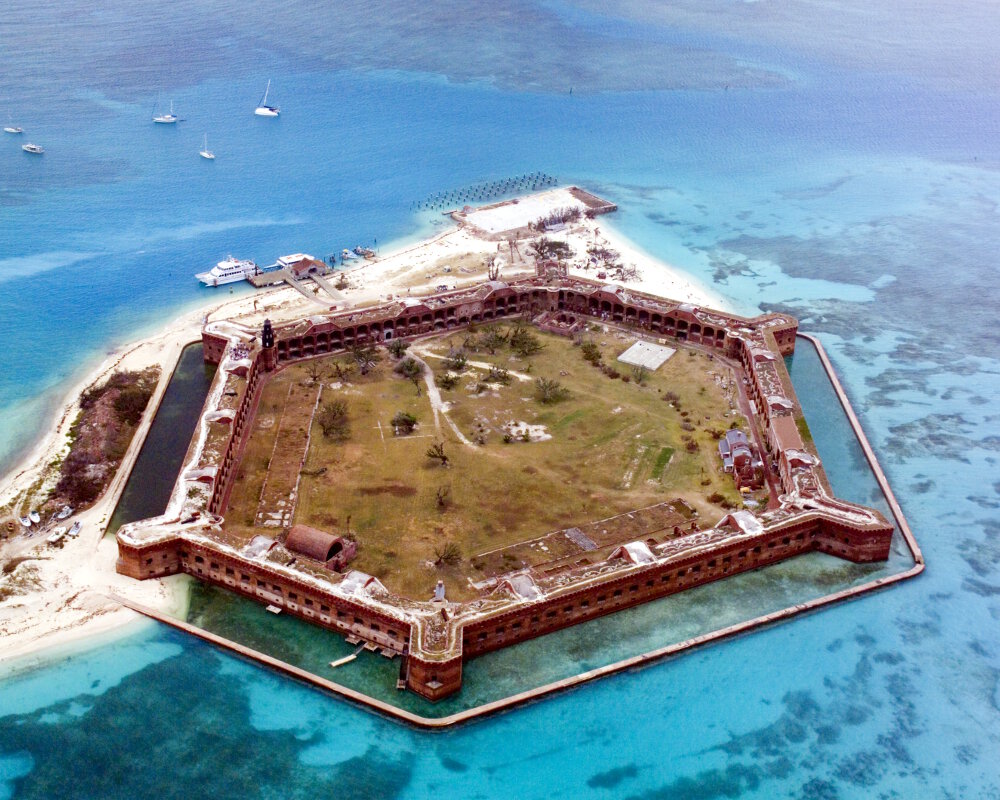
x=550 y=450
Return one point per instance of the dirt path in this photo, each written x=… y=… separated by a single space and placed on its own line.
x=437 y=404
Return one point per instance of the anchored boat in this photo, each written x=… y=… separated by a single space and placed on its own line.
x=205 y=152
x=263 y=109
x=166 y=119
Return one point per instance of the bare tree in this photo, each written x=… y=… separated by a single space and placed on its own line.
x=448 y=553
x=365 y=356
x=436 y=453
x=443 y=497
x=314 y=369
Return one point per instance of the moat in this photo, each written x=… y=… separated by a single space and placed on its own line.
x=515 y=589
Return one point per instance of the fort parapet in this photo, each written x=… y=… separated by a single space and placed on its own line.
x=435 y=638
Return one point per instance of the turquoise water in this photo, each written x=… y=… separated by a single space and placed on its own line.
x=838 y=160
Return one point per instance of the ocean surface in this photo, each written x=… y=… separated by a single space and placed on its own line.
x=831 y=159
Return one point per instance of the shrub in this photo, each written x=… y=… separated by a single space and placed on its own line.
x=131 y=402
x=403 y=423
x=548 y=391
x=498 y=375
x=591 y=352
x=447 y=381
x=456 y=360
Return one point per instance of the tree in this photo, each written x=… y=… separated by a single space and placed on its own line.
x=442 y=497
x=546 y=248
x=403 y=423
x=333 y=420
x=410 y=368
x=523 y=342
x=492 y=339
x=315 y=371
x=342 y=371
x=365 y=356
x=548 y=391
x=436 y=453
x=492 y=268
x=397 y=347
x=639 y=374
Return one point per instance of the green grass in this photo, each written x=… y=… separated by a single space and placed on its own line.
x=610 y=452
x=661 y=461
x=804 y=432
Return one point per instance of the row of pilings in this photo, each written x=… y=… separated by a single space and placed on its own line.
x=488 y=190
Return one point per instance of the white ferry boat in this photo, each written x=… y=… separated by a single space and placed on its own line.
x=228 y=270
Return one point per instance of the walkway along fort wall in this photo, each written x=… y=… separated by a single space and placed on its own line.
x=435 y=638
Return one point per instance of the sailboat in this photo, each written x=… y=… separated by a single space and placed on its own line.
x=166 y=119
x=263 y=109
x=205 y=152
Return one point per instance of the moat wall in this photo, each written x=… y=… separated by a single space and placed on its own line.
x=435 y=671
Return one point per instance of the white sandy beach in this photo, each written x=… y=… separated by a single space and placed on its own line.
x=68 y=589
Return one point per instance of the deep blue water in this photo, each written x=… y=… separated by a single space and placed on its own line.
x=832 y=159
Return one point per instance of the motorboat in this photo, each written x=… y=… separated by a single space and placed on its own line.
x=347 y=255
x=229 y=270
x=166 y=119
x=37 y=149
x=25 y=521
x=263 y=109
x=64 y=512
x=74 y=531
x=56 y=535
x=34 y=516
x=13 y=129
x=205 y=152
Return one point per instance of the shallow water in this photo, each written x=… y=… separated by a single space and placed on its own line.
x=838 y=161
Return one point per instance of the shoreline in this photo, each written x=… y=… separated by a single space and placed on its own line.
x=72 y=598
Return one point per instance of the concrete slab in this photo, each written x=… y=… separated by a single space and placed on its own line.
x=644 y=354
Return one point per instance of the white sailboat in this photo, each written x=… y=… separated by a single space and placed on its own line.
x=205 y=152
x=166 y=119
x=263 y=109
